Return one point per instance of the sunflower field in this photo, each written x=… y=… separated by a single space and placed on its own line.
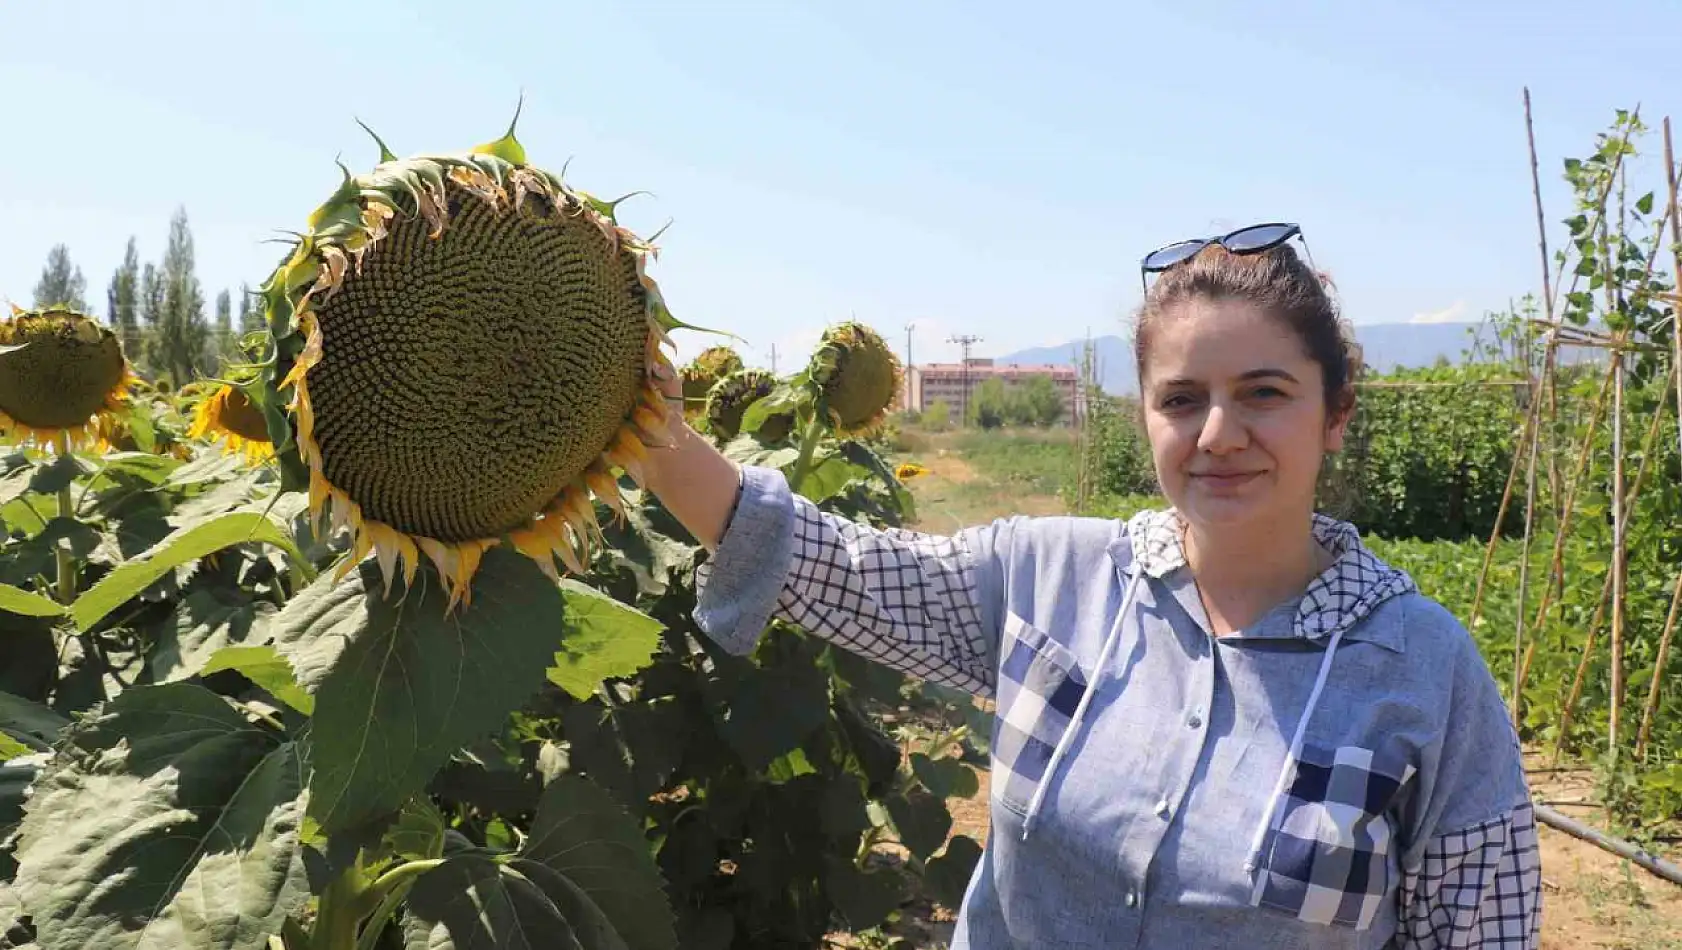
x=375 y=641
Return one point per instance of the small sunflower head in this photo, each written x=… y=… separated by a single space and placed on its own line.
x=61 y=374
x=909 y=470
x=713 y=364
x=476 y=346
x=858 y=375
x=730 y=398
x=229 y=416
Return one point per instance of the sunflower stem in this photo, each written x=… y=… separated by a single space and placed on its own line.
x=66 y=563
x=390 y=888
x=808 y=443
x=336 y=913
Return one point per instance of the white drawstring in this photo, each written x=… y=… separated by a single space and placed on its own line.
x=1062 y=747
x=1287 y=770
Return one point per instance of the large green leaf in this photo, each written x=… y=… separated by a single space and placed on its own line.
x=399 y=685
x=864 y=898
x=590 y=925
x=945 y=777
x=828 y=477
x=921 y=820
x=28 y=603
x=263 y=665
x=166 y=821
x=582 y=834
x=177 y=549
x=948 y=874
x=29 y=723
x=772 y=711
x=206 y=620
x=603 y=639
x=473 y=902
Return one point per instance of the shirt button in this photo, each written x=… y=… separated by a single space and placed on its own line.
x=1162 y=808
x=1195 y=720
x=1131 y=899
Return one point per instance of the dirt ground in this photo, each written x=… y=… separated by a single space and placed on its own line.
x=1591 y=899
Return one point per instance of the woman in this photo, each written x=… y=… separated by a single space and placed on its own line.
x=1226 y=724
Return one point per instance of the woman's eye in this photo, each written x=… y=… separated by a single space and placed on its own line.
x=1268 y=392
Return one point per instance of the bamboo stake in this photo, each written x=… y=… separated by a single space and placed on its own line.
x=1613 y=306
x=1658 y=672
x=1674 y=175
x=1533 y=417
x=1570 y=504
x=1647 y=444
x=1615 y=341
x=1620 y=556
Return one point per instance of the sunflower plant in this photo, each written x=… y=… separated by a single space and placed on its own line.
x=377 y=642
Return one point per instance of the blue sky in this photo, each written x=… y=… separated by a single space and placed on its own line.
x=987 y=168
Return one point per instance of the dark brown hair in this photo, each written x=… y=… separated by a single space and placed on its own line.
x=1278 y=282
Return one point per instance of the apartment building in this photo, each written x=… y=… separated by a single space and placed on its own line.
x=953 y=382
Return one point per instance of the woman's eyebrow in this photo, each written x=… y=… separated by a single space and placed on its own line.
x=1267 y=372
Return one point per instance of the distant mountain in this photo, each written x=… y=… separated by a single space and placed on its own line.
x=1384 y=347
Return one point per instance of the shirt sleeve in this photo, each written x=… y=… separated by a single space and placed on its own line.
x=919 y=603
x=1471 y=867
x=1479 y=887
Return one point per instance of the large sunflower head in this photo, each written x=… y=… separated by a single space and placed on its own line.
x=230 y=416
x=476 y=341
x=858 y=376
x=730 y=398
x=61 y=375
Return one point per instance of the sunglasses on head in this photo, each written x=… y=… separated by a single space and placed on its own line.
x=1253 y=239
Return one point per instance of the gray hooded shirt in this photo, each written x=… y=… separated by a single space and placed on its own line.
x=1340 y=774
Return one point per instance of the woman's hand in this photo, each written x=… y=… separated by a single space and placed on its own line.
x=695 y=482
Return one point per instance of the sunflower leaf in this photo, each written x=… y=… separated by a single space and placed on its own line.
x=399 y=685
x=603 y=639
x=29 y=723
x=173 y=551
x=472 y=900
x=265 y=667
x=206 y=620
x=16 y=600
x=582 y=834
x=59 y=473
x=166 y=820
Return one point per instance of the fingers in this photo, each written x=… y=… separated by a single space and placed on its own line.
x=667 y=379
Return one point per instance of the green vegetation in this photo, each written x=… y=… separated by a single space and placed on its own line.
x=228 y=723
x=1032 y=402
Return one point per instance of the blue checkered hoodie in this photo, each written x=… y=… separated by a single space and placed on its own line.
x=1340 y=774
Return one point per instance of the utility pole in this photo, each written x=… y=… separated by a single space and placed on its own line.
x=966 y=341
x=773 y=359
x=908 y=365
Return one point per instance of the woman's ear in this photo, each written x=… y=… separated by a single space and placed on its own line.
x=1337 y=421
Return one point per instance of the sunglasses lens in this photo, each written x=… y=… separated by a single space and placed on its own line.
x=1172 y=254
x=1259 y=237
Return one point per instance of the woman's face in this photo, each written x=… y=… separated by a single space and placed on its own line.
x=1236 y=415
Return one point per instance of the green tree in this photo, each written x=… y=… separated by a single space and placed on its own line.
x=62 y=283
x=990 y=409
x=122 y=301
x=224 y=342
x=180 y=332
x=937 y=415
x=249 y=318
x=1038 y=402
